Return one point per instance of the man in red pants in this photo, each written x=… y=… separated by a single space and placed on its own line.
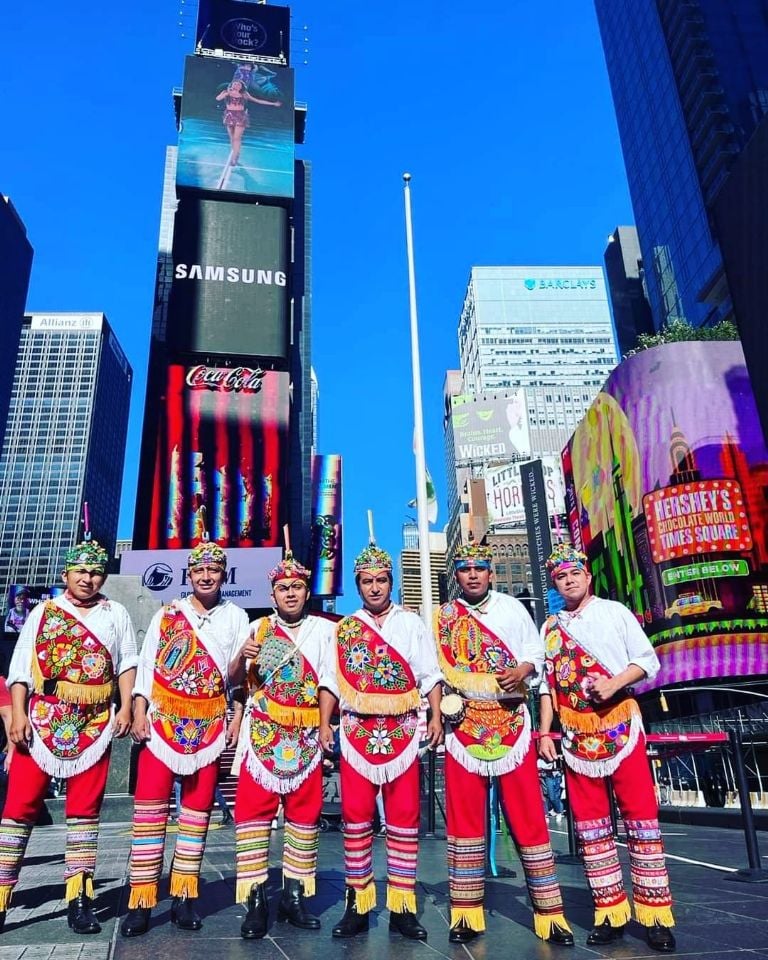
x=279 y=752
x=488 y=649
x=62 y=675
x=385 y=662
x=180 y=717
x=595 y=649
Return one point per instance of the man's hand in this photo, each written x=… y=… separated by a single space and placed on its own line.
x=325 y=737
x=121 y=724
x=602 y=688
x=511 y=678
x=233 y=729
x=140 y=728
x=250 y=648
x=547 y=747
x=20 y=732
x=435 y=731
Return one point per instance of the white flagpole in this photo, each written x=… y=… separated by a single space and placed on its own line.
x=418 y=417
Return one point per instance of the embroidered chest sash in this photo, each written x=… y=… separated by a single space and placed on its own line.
x=283 y=713
x=378 y=729
x=73 y=680
x=595 y=739
x=189 y=705
x=494 y=734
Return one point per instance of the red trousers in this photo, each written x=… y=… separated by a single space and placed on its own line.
x=28 y=786
x=632 y=786
x=401 y=797
x=154 y=782
x=302 y=805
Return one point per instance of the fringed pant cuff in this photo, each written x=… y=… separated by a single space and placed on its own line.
x=365 y=898
x=646 y=916
x=617 y=915
x=251 y=856
x=400 y=901
x=472 y=917
x=144 y=895
x=300 y=854
x=308 y=883
x=13 y=844
x=80 y=852
x=543 y=924
x=184 y=884
x=188 y=856
x=77 y=884
x=5 y=896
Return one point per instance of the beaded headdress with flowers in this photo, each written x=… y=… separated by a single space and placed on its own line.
x=372 y=557
x=565 y=555
x=472 y=554
x=289 y=567
x=207 y=554
x=88 y=553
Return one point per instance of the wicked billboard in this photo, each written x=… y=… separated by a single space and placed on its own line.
x=220 y=457
x=665 y=491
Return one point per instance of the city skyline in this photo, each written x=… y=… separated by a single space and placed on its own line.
x=528 y=205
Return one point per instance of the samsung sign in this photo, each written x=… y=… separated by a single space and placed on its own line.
x=568 y=283
x=165 y=574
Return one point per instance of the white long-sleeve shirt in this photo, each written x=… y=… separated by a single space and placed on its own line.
x=609 y=632
x=109 y=622
x=407 y=634
x=508 y=619
x=223 y=630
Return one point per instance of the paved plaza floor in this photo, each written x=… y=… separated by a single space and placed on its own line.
x=717 y=917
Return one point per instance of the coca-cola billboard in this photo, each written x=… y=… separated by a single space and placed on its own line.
x=220 y=457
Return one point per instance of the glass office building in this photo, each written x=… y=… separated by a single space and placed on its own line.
x=64 y=444
x=15 y=268
x=690 y=83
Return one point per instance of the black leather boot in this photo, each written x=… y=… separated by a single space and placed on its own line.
x=136 y=922
x=604 y=933
x=80 y=915
x=254 y=927
x=2 y=920
x=660 y=938
x=461 y=933
x=407 y=925
x=352 y=922
x=184 y=913
x=560 y=936
x=292 y=908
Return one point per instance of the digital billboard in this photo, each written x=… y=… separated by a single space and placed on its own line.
x=504 y=491
x=229 y=292
x=220 y=457
x=665 y=490
x=327 y=562
x=490 y=427
x=237 y=128
x=21 y=600
x=165 y=574
x=239 y=26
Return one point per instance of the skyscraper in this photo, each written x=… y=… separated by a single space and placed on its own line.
x=15 y=267
x=228 y=430
x=690 y=84
x=624 y=271
x=64 y=443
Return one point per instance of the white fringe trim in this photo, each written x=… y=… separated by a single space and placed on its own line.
x=604 y=768
x=242 y=741
x=383 y=772
x=492 y=768
x=60 y=768
x=276 y=784
x=185 y=763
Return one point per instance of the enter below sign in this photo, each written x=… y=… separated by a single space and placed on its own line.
x=703 y=571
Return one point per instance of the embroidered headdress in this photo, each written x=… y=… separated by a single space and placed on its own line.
x=472 y=554
x=289 y=569
x=563 y=556
x=208 y=554
x=373 y=558
x=88 y=553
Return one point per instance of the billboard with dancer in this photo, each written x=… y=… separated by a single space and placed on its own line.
x=220 y=457
x=666 y=480
x=237 y=127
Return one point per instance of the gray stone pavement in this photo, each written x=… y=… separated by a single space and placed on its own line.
x=717 y=917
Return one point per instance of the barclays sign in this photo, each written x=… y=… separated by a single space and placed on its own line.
x=567 y=283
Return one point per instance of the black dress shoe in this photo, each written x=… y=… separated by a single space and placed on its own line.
x=254 y=927
x=184 y=913
x=660 y=938
x=604 y=933
x=292 y=907
x=352 y=922
x=461 y=933
x=136 y=922
x=80 y=915
x=2 y=920
x=407 y=925
x=560 y=936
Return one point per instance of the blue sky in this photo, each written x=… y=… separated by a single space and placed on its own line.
x=500 y=111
